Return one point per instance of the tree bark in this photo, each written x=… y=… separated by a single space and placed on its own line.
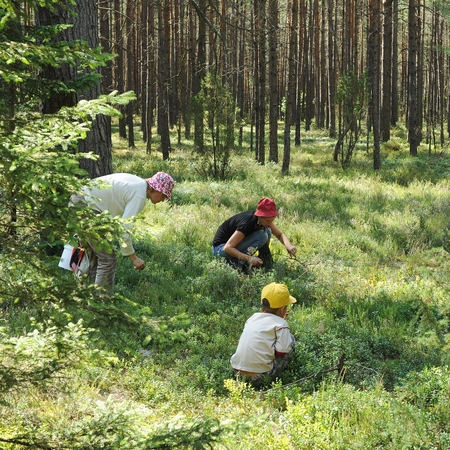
x=119 y=50
x=163 y=103
x=394 y=69
x=273 y=80
x=105 y=12
x=387 y=72
x=85 y=27
x=199 y=66
x=331 y=69
x=413 y=118
x=144 y=69
x=291 y=85
x=260 y=77
x=152 y=77
x=309 y=77
x=374 y=75
x=131 y=70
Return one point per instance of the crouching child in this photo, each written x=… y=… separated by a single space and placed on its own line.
x=266 y=344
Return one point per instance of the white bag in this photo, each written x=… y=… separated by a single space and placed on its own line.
x=74 y=259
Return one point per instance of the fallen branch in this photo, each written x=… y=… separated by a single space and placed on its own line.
x=339 y=367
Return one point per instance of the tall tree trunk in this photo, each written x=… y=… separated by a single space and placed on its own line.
x=163 y=97
x=119 y=50
x=331 y=68
x=144 y=70
x=317 y=70
x=273 y=80
x=199 y=72
x=420 y=69
x=260 y=77
x=106 y=19
x=394 y=69
x=239 y=71
x=441 y=78
x=171 y=36
x=413 y=113
x=448 y=95
x=322 y=116
x=301 y=67
x=85 y=22
x=152 y=76
x=177 y=46
x=431 y=98
x=387 y=72
x=183 y=91
x=131 y=86
x=291 y=85
x=225 y=49
x=309 y=54
x=374 y=42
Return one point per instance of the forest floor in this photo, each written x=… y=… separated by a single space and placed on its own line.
x=371 y=278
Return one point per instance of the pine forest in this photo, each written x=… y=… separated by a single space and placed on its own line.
x=161 y=139
x=328 y=64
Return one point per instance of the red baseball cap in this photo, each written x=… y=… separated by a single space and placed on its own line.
x=266 y=208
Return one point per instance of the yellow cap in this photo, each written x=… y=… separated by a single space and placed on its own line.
x=278 y=295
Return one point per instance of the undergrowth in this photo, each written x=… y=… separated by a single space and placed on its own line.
x=371 y=322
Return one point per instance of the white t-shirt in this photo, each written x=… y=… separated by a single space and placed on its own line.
x=122 y=195
x=263 y=334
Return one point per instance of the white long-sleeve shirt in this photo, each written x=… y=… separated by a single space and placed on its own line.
x=264 y=333
x=122 y=195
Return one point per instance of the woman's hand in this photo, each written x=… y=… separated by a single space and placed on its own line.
x=138 y=263
x=291 y=249
x=255 y=261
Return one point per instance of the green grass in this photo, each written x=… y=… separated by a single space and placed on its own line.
x=371 y=279
x=369 y=275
